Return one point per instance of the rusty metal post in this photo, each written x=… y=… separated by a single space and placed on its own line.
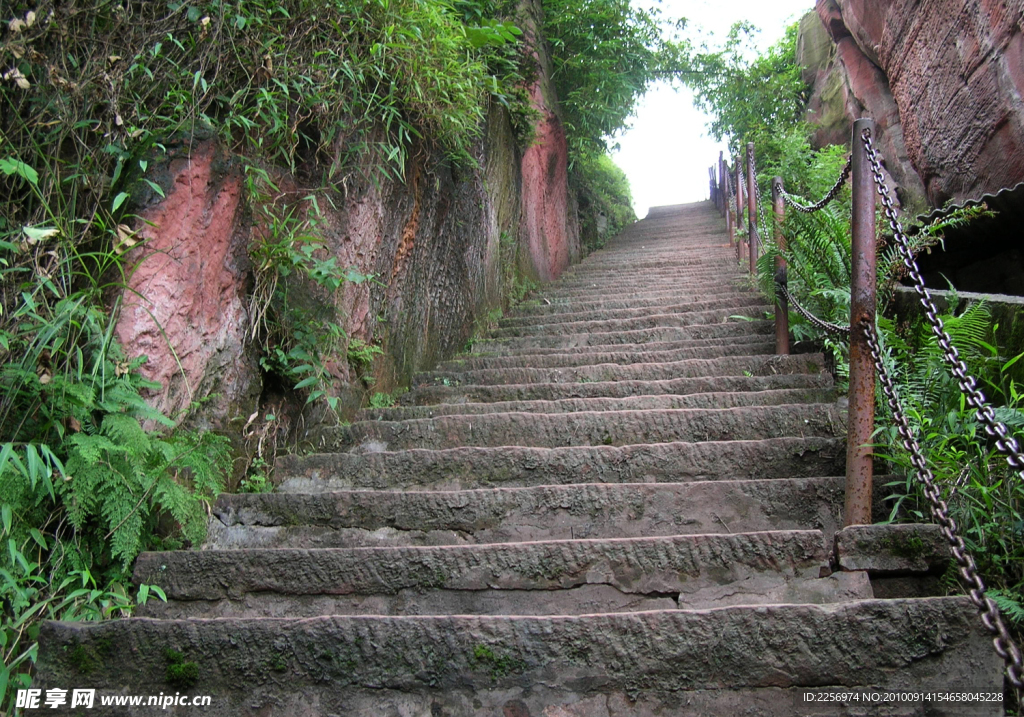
x=729 y=223
x=721 y=183
x=751 y=208
x=861 y=420
x=739 y=209
x=781 y=305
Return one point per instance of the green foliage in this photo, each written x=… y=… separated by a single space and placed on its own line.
x=86 y=474
x=984 y=496
x=605 y=54
x=758 y=100
x=382 y=400
x=362 y=354
x=603 y=191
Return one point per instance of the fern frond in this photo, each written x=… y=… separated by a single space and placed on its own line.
x=126 y=431
x=1009 y=604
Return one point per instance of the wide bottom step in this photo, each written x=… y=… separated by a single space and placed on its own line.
x=728 y=661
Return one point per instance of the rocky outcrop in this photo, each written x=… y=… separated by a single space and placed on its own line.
x=943 y=80
x=443 y=245
x=184 y=306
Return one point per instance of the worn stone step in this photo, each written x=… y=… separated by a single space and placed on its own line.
x=643 y=355
x=370 y=518
x=437 y=394
x=555 y=577
x=592 y=428
x=695 y=332
x=757 y=365
x=685 y=290
x=647 y=272
x=591 y=291
x=465 y=467
x=754 y=660
x=694 y=282
x=714 y=316
x=493 y=349
x=739 y=305
x=544 y=305
x=773 y=397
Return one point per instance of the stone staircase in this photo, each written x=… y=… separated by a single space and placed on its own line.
x=620 y=504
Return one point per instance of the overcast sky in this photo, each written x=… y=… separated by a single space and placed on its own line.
x=667 y=151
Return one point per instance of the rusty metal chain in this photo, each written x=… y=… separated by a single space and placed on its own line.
x=1004 y=644
x=834 y=329
x=829 y=196
x=1006 y=443
x=989 y=611
x=761 y=225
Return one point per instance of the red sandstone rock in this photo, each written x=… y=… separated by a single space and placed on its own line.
x=434 y=244
x=955 y=72
x=185 y=308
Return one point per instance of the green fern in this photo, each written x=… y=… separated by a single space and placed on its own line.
x=1009 y=604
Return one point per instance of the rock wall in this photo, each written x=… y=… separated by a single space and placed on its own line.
x=442 y=245
x=943 y=79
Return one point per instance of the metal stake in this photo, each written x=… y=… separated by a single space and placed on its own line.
x=739 y=210
x=751 y=208
x=781 y=305
x=861 y=420
x=729 y=223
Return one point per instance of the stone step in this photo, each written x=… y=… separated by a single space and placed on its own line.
x=645 y=354
x=592 y=428
x=544 y=305
x=462 y=468
x=749 y=302
x=758 y=365
x=646 y=272
x=703 y=288
x=492 y=349
x=694 y=282
x=773 y=397
x=438 y=394
x=612 y=338
x=729 y=661
x=554 y=577
x=714 y=316
x=370 y=518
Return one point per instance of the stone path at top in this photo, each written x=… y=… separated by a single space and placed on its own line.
x=619 y=504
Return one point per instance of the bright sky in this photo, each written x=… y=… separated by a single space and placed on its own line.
x=667 y=151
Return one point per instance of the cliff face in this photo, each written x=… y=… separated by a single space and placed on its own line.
x=445 y=246
x=943 y=79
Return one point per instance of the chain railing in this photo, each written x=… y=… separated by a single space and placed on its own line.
x=865 y=168
x=829 y=196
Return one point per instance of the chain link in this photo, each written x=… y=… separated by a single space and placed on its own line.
x=827 y=199
x=761 y=226
x=834 y=329
x=1004 y=644
x=1006 y=444
x=993 y=621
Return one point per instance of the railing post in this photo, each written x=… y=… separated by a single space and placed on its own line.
x=751 y=208
x=711 y=184
x=739 y=209
x=721 y=184
x=781 y=305
x=729 y=223
x=861 y=420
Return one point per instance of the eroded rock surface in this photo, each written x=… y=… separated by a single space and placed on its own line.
x=943 y=79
